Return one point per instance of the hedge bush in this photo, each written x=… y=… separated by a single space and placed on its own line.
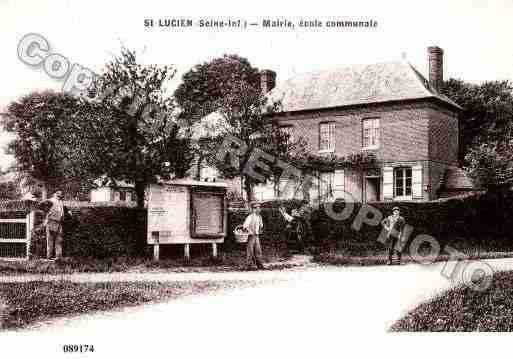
x=105 y=232
x=482 y=221
x=97 y=232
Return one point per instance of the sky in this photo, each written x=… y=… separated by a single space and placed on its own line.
x=475 y=36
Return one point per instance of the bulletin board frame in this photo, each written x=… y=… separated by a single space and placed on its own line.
x=215 y=191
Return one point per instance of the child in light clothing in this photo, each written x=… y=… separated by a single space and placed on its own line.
x=254 y=225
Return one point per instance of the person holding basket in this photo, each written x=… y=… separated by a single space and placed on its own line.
x=254 y=226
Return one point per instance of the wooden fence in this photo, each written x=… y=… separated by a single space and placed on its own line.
x=15 y=234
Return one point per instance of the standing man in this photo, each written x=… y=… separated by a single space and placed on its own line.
x=298 y=226
x=254 y=226
x=54 y=227
x=394 y=225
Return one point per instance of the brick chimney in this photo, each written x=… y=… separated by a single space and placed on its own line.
x=267 y=80
x=436 y=67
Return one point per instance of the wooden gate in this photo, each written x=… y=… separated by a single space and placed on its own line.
x=15 y=234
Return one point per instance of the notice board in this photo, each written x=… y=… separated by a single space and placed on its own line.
x=168 y=214
x=207 y=214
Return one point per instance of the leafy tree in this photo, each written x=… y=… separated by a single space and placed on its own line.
x=9 y=186
x=207 y=83
x=229 y=88
x=490 y=165
x=131 y=134
x=41 y=122
x=488 y=109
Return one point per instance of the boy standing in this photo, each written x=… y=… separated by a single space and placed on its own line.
x=254 y=225
x=394 y=226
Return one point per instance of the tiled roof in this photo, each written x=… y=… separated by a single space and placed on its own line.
x=354 y=85
x=103 y=181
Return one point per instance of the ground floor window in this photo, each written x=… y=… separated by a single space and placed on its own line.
x=403 y=183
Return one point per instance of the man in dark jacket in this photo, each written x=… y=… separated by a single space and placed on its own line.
x=54 y=226
x=394 y=225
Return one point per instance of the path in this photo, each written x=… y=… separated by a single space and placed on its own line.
x=308 y=312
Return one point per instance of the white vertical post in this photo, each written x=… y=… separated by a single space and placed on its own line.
x=186 y=251
x=214 y=250
x=156 y=246
x=156 y=251
x=29 y=225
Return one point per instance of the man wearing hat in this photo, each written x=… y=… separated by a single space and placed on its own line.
x=254 y=226
x=54 y=222
x=394 y=225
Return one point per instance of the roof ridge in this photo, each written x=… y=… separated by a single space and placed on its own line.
x=338 y=68
x=354 y=84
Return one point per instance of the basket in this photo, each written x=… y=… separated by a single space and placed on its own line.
x=240 y=237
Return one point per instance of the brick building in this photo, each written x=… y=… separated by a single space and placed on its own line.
x=388 y=109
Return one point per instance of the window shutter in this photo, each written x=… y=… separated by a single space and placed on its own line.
x=388 y=183
x=314 y=189
x=339 y=184
x=416 y=181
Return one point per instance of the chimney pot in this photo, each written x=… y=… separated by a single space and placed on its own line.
x=436 y=67
x=267 y=80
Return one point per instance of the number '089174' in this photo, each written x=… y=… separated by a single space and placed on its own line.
x=78 y=348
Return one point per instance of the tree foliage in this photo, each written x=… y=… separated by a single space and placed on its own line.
x=490 y=165
x=43 y=122
x=133 y=133
x=229 y=88
x=488 y=110
x=209 y=82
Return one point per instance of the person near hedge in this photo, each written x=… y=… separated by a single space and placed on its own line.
x=298 y=225
x=394 y=225
x=54 y=222
x=254 y=226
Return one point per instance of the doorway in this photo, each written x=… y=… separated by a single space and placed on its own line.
x=372 y=193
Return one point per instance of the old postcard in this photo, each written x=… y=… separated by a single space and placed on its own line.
x=266 y=179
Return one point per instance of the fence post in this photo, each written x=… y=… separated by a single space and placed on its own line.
x=29 y=225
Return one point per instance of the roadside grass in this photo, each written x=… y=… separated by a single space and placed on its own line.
x=23 y=304
x=347 y=258
x=463 y=309
x=173 y=262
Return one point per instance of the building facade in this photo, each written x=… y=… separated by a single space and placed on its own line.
x=387 y=109
x=107 y=191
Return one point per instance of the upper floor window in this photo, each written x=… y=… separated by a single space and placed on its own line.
x=370 y=133
x=403 y=183
x=327 y=136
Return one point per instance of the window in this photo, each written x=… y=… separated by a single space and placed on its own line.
x=370 y=133
x=288 y=130
x=122 y=196
x=402 y=182
x=327 y=136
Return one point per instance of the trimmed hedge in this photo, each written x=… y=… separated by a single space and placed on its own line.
x=97 y=232
x=480 y=221
x=102 y=232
